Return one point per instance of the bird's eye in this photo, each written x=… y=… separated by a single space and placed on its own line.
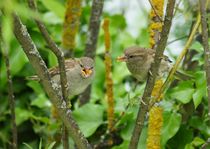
x=81 y=65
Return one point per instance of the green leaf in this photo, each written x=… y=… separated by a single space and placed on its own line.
x=199 y=58
x=41 y=101
x=22 y=115
x=189 y=146
x=197 y=141
x=18 y=61
x=54 y=19
x=183 y=136
x=122 y=70
x=98 y=84
x=143 y=138
x=52 y=59
x=123 y=145
x=197 y=122
x=197 y=96
x=118 y=21
x=36 y=87
x=171 y=124
x=7 y=32
x=41 y=119
x=197 y=46
x=200 y=91
x=28 y=146
x=127 y=130
x=143 y=41
x=55 y=7
x=200 y=79
x=51 y=145
x=40 y=144
x=89 y=117
x=183 y=92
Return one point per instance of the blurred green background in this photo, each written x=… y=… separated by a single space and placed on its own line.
x=186 y=123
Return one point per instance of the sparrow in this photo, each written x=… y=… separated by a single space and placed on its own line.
x=139 y=60
x=79 y=72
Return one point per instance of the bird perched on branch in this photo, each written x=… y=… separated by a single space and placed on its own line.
x=79 y=72
x=139 y=60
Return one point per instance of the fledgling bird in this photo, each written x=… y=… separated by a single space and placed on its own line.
x=139 y=60
x=79 y=72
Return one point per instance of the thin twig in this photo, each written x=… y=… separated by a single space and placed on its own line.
x=61 y=60
x=177 y=39
x=11 y=100
x=151 y=79
x=52 y=45
x=92 y=38
x=4 y=48
x=65 y=137
x=181 y=56
x=176 y=7
x=206 y=47
x=94 y=26
x=205 y=145
x=50 y=87
x=154 y=9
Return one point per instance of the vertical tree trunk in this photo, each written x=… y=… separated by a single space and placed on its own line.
x=91 y=43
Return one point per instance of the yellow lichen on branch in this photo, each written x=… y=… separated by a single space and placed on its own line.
x=108 y=77
x=156 y=16
x=157 y=8
x=71 y=23
x=154 y=130
x=155 y=114
x=156 y=90
x=106 y=34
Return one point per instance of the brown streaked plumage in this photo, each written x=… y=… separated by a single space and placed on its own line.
x=139 y=60
x=79 y=73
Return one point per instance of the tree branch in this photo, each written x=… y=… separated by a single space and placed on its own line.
x=61 y=61
x=51 y=88
x=4 y=48
x=94 y=26
x=181 y=56
x=108 y=76
x=206 y=47
x=54 y=48
x=11 y=100
x=143 y=109
x=92 y=37
x=155 y=11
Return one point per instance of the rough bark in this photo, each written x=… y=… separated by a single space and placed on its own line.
x=51 y=88
x=143 y=109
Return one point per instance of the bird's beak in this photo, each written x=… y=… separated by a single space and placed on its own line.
x=86 y=72
x=122 y=58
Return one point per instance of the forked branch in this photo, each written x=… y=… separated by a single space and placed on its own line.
x=51 y=88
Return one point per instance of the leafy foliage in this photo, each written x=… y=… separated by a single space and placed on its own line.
x=185 y=102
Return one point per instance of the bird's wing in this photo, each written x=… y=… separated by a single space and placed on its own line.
x=152 y=52
x=69 y=64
